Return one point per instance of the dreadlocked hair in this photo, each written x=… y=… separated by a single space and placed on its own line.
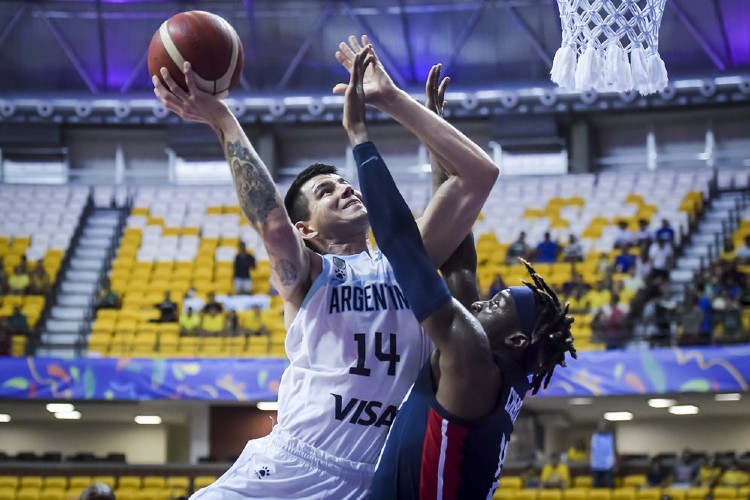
x=551 y=334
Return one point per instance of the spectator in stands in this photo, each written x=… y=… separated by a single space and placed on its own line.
x=547 y=250
x=624 y=260
x=623 y=235
x=517 y=249
x=626 y=295
x=660 y=256
x=729 y=315
x=19 y=281
x=253 y=323
x=685 y=471
x=108 y=298
x=212 y=316
x=98 y=491
x=710 y=473
x=189 y=322
x=574 y=283
x=167 y=309
x=232 y=323
x=191 y=300
x=579 y=301
x=643 y=263
x=497 y=285
x=742 y=256
x=530 y=477
x=691 y=321
x=659 y=316
x=643 y=235
x=665 y=233
x=656 y=476
x=244 y=263
x=3 y=278
x=578 y=452
x=573 y=251
x=633 y=282
x=40 y=281
x=599 y=296
x=555 y=474
x=18 y=322
x=5 y=338
x=733 y=477
x=609 y=323
x=603 y=456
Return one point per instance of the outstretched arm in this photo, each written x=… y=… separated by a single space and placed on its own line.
x=260 y=200
x=454 y=208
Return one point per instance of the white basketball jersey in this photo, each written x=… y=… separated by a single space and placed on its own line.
x=355 y=348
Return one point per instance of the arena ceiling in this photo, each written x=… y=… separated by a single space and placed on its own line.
x=91 y=49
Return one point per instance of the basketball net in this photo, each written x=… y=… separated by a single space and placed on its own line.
x=597 y=38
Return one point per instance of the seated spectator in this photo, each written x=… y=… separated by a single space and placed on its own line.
x=665 y=233
x=108 y=298
x=547 y=250
x=691 y=321
x=625 y=261
x=19 y=281
x=3 y=278
x=212 y=305
x=643 y=235
x=212 y=316
x=685 y=472
x=609 y=323
x=517 y=249
x=40 y=281
x=599 y=296
x=555 y=474
x=191 y=300
x=659 y=315
x=729 y=315
x=253 y=323
x=742 y=255
x=643 y=264
x=710 y=473
x=579 y=301
x=243 y=264
x=660 y=256
x=626 y=296
x=623 y=235
x=573 y=251
x=632 y=282
x=497 y=285
x=167 y=309
x=18 y=323
x=733 y=477
x=656 y=476
x=98 y=491
x=189 y=322
x=530 y=477
x=575 y=282
x=5 y=338
x=578 y=452
x=604 y=264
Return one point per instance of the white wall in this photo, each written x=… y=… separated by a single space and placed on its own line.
x=146 y=444
x=674 y=434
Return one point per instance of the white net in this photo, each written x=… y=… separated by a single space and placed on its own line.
x=610 y=45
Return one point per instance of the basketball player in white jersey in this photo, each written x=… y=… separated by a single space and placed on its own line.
x=353 y=343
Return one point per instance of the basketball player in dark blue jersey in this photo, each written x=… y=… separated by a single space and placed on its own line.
x=450 y=436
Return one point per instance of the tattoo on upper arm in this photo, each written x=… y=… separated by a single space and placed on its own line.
x=286 y=272
x=255 y=188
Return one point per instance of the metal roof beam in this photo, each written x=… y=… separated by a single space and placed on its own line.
x=697 y=34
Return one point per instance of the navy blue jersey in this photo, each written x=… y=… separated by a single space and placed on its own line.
x=431 y=454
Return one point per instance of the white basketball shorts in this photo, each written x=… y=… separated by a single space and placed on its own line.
x=279 y=466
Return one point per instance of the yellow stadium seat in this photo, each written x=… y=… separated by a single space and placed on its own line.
x=28 y=494
x=7 y=493
x=125 y=482
x=202 y=481
x=697 y=493
x=504 y=493
x=53 y=494
x=511 y=482
x=649 y=494
x=8 y=482
x=600 y=494
x=108 y=480
x=636 y=480
x=576 y=494
x=676 y=493
x=30 y=482
x=725 y=493
x=149 y=494
x=81 y=482
x=178 y=481
x=623 y=494
x=581 y=481
x=552 y=494
x=126 y=494
x=527 y=494
x=55 y=482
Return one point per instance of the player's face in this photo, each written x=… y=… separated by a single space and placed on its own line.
x=334 y=204
x=498 y=317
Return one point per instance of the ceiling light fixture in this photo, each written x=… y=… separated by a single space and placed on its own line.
x=4 y=417
x=661 y=403
x=58 y=407
x=148 y=419
x=618 y=416
x=580 y=401
x=684 y=410
x=268 y=405
x=68 y=415
x=731 y=396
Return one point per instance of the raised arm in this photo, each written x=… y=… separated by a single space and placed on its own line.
x=260 y=200
x=465 y=361
x=456 y=205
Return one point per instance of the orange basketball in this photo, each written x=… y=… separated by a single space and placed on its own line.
x=205 y=40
